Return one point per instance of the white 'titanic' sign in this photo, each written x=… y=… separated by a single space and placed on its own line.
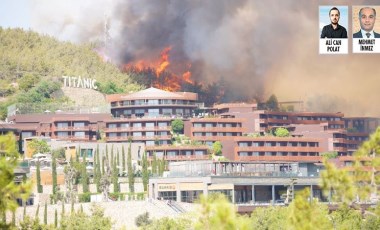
x=79 y=82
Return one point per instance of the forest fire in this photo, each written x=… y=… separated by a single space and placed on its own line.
x=157 y=74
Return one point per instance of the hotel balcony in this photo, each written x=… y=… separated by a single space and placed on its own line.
x=278 y=149
x=280 y=158
x=137 y=138
x=218 y=129
x=184 y=157
x=133 y=129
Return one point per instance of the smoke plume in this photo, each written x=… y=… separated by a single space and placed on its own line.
x=257 y=47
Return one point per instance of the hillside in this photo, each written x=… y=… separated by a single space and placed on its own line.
x=28 y=58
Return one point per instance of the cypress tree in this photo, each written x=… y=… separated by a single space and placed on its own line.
x=112 y=156
x=117 y=161
x=24 y=214
x=84 y=174
x=115 y=178
x=63 y=209
x=131 y=176
x=98 y=175
x=45 y=214
x=55 y=218
x=123 y=158
x=13 y=218
x=72 y=206
x=154 y=164
x=54 y=173
x=145 y=173
x=39 y=186
x=103 y=163
x=37 y=211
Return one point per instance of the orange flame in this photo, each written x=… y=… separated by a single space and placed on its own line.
x=164 y=79
x=164 y=63
x=187 y=77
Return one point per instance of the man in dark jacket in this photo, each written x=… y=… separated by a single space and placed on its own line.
x=367 y=18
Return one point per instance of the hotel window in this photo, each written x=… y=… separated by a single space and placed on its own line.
x=149 y=143
x=137 y=134
x=149 y=125
x=208 y=134
x=124 y=125
x=153 y=112
x=139 y=111
x=88 y=152
x=228 y=134
x=209 y=143
x=124 y=134
x=152 y=102
x=62 y=134
x=112 y=126
x=136 y=124
x=127 y=103
x=190 y=196
x=187 y=153
x=162 y=124
x=167 y=111
x=62 y=125
x=171 y=153
x=170 y=195
x=197 y=125
x=112 y=135
x=187 y=111
x=197 y=134
x=179 y=111
x=79 y=134
x=149 y=134
x=255 y=154
x=228 y=125
x=243 y=154
x=163 y=133
x=79 y=124
x=208 y=125
x=29 y=134
x=127 y=112
x=243 y=144
x=167 y=102
x=199 y=152
x=159 y=154
x=139 y=102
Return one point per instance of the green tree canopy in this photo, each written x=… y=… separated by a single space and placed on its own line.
x=217 y=148
x=272 y=103
x=281 y=132
x=9 y=190
x=177 y=126
x=39 y=146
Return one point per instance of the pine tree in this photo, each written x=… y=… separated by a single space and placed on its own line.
x=131 y=176
x=145 y=173
x=45 y=214
x=39 y=186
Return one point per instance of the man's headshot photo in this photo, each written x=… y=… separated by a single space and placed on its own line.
x=367 y=19
x=334 y=29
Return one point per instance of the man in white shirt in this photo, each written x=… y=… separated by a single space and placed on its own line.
x=367 y=18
